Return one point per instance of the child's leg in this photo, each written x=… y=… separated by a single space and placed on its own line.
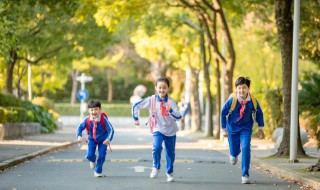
x=245 y=138
x=170 y=147
x=234 y=144
x=91 y=152
x=157 y=148
x=102 y=149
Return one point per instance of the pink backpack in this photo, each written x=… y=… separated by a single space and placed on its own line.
x=152 y=118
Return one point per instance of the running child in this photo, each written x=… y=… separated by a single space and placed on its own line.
x=164 y=114
x=237 y=124
x=100 y=134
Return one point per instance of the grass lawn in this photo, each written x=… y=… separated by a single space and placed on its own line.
x=111 y=109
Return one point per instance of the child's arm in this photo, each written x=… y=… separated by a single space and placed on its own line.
x=259 y=116
x=143 y=104
x=110 y=129
x=81 y=127
x=260 y=121
x=224 y=113
x=173 y=110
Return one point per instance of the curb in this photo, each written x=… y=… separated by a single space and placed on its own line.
x=287 y=174
x=23 y=158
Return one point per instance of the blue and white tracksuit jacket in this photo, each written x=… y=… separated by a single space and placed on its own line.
x=240 y=132
x=164 y=131
x=102 y=135
x=166 y=125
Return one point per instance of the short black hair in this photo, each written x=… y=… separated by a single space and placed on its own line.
x=243 y=80
x=163 y=79
x=94 y=104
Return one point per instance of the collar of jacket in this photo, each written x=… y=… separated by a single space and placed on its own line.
x=165 y=99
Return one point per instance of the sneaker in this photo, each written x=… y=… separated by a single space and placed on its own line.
x=92 y=165
x=97 y=174
x=245 y=179
x=154 y=173
x=233 y=160
x=170 y=177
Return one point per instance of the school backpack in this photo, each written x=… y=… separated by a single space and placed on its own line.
x=234 y=103
x=102 y=115
x=152 y=118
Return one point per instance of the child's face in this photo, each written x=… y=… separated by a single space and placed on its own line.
x=243 y=90
x=162 y=89
x=94 y=112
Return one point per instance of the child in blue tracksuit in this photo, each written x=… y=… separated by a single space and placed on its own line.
x=165 y=113
x=100 y=134
x=237 y=125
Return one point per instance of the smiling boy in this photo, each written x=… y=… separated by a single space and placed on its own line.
x=237 y=124
x=100 y=134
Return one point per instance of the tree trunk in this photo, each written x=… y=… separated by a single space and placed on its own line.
x=74 y=74
x=285 y=34
x=231 y=56
x=9 y=74
x=195 y=104
x=110 y=85
x=315 y=168
x=218 y=100
x=206 y=73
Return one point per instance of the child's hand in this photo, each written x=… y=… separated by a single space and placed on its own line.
x=225 y=133
x=106 y=142
x=137 y=122
x=79 y=139
x=260 y=134
x=168 y=108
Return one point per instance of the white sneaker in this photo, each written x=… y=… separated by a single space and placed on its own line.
x=233 y=160
x=170 y=177
x=245 y=179
x=92 y=165
x=97 y=174
x=154 y=173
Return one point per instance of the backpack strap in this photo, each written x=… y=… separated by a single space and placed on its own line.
x=88 y=124
x=234 y=101
x=153 y=104
x=102 y=115
x=254 y=102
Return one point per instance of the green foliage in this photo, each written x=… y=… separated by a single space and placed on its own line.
x=7 y=100
x=43 y=117
x=14 y=110
x=46 y=103
x=111 y=109
x=13 y=114
x=2 y=116
x=309 y=101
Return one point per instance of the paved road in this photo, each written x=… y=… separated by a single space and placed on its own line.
x=129 y=165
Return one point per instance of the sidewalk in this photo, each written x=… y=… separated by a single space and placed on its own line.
x=14 y=152
x=261 y=149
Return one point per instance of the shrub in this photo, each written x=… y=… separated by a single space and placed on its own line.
x=43 y=117
x=8 y=100
x=30 y=116
x=2 y=116
x=46 y=103
x=15 y=114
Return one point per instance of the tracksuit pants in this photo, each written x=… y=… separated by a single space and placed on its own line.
x=91 y=154
x=241 y=141
x=169 y=144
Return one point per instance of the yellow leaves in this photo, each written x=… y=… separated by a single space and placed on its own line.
x=151 y=47
x=109 y=61
x=40 y=16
